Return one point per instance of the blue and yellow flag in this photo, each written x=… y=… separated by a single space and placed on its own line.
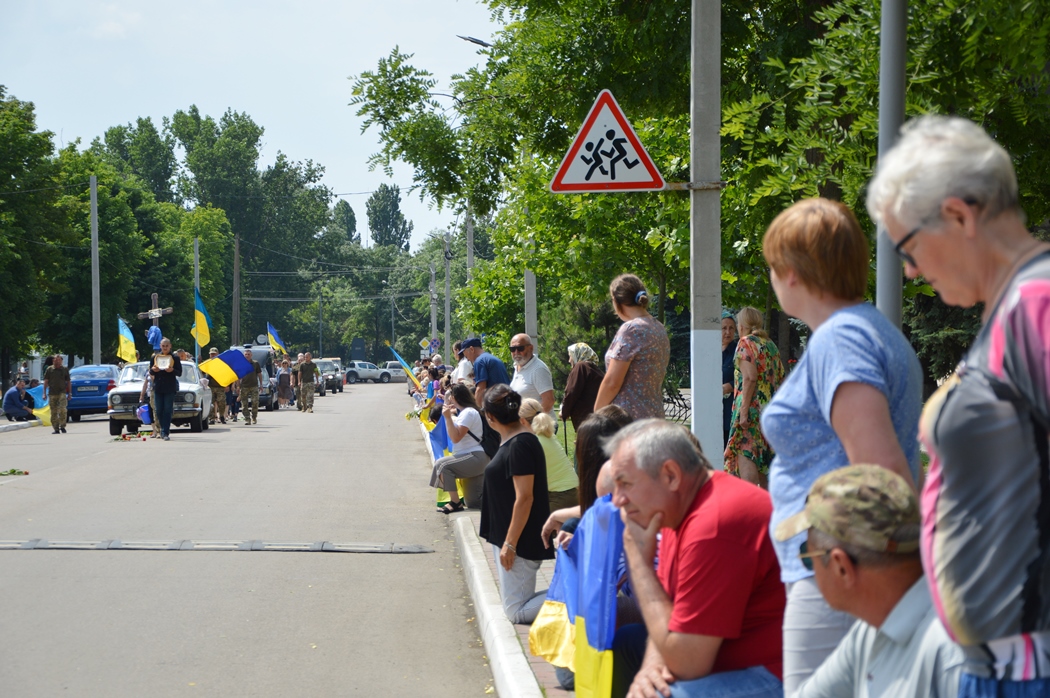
x=201 y=330
x=41 y=409
x=405 y=366
x=125 y=341
x=583 y=593
x=275 y=340
x=227 y=367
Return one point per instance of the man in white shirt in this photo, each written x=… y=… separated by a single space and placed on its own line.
x=863 y=548
x=531 y=378
x=464 y=369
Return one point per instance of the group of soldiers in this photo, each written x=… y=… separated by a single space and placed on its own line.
x=303 y=375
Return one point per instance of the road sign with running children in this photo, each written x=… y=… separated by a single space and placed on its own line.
x=606 y=155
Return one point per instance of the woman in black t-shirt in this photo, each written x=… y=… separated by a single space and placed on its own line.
x=515 y=506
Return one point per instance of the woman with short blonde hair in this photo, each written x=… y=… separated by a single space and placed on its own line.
x=853 y=397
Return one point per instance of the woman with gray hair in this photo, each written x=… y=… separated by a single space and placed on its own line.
x=947 y=196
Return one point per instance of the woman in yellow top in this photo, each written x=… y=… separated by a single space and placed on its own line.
x=562 y=482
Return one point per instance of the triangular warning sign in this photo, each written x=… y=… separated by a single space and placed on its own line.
x=606 y=155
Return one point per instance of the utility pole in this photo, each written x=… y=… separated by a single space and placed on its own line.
x=320 y=326
x=448 y=291
x=705 y=246
x=433 y=303
x=393 y=337
x=893 y=55
x=96 y=299
x=469 y=225
x=197 y=288
x=235 y=331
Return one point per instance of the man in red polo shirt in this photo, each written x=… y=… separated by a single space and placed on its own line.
x=714 y=606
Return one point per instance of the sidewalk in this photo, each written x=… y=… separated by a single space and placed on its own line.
x=517 y=673
x=13 y=426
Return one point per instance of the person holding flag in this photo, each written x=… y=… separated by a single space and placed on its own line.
x=218 y=392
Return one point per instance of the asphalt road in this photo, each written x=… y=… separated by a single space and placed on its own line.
x=236 y=623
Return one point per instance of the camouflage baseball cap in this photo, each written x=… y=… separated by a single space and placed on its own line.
x=862 y=505
x=213 y=350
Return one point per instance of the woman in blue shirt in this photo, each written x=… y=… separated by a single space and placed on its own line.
x=853 y=397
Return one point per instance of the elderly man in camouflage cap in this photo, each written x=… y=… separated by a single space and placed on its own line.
x=863 y=548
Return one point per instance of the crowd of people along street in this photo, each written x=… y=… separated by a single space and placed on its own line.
x=827 y=559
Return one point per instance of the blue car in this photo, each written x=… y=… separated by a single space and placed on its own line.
x=90 y=388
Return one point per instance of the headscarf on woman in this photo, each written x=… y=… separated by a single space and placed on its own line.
x=582 y=352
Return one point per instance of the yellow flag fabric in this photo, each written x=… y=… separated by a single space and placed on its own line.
x=201 y=330
x=594 y=668
x=43 y=414
x=125 y=342
x=552 y=636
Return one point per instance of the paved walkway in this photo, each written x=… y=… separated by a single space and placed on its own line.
x=517 y=673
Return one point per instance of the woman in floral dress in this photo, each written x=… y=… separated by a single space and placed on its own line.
x=758 y=372
x=636 y=362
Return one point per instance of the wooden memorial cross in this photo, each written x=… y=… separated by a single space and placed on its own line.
x=155 y=312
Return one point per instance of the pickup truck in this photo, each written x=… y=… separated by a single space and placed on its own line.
x=364 y=371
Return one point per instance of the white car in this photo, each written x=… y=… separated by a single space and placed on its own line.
x=192 y=401
x=364 y=371
x=397 y=372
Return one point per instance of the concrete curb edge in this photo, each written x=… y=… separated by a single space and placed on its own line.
x=513 y=675
x=15 y=426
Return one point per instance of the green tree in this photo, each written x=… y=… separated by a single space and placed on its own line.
x=385 y=220
x=345 y=221
x=31 y=227
x=143 y=151
x=68 y=325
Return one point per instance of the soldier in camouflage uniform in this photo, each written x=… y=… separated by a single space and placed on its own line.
x=56 y=392
x=218 y=395
x=297 y=383
x=250 y=391
x=308 y=371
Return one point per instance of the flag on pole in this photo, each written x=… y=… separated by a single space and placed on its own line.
x=201 y=330
x=404 y=365
x=125 y=341
x=227 y=367
x=275 y=340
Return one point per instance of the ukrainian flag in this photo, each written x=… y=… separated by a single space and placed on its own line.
x=583 y=593
x=404 y=365
x=227 y=367
x=201 y=330
x=125 y=342
x=41 y=409
x=275 y=340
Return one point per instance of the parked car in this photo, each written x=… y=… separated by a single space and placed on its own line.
x=397 y=372
x=338 y=369
x=192 y=401
x=91 y=385
x=331 y=378
x=364 y=371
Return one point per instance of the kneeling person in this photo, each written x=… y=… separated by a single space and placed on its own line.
x=714 y=607
x=863 y=548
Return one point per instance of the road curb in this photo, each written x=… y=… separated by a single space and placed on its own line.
x=510 y=670
x=15 y=426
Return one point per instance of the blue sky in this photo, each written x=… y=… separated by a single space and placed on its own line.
x=88 y=65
